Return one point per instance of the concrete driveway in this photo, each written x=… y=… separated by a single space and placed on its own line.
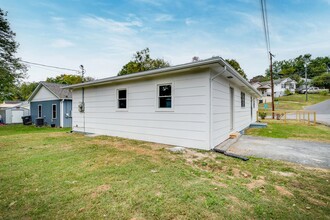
x=322 y=111
x=302 y=152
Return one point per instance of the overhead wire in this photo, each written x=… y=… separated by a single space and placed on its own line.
x=45 y=65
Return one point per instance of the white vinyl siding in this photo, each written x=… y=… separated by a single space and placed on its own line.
x=187 y=124
x=221 y=110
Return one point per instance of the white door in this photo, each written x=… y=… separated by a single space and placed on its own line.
x=16 y=116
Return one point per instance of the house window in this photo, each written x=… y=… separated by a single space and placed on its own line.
x=122 y=98
x=54 y=111
x=39 y=111
x=165 y=96
x=242 y=99
x=282 y=86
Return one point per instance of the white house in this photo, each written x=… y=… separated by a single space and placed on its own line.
x=196 y=105
x=280 y=85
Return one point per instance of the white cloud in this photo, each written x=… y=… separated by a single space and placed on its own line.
x=110 y=25
x=164 y=17
x=61 y=43
x=189 y=21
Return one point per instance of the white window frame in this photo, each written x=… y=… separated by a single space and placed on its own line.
x=172 y=97
x=117 y=100
x=55 y=111
x=40 y=112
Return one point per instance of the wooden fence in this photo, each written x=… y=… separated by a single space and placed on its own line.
x=298 y=115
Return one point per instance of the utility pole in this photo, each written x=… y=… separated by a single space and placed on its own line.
x=272 y=81
x=306 y=81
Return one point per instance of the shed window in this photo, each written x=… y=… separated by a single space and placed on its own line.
x=242 y=99
x=54 y=111
x=39 y=111
x=122 y=98
x=165 y=96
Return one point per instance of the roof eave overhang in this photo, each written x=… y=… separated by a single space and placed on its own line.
x=168 y=70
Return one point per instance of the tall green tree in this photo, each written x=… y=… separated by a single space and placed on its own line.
x=322 y=81
x=142 y=62
x=24 y=90
x=11 y=70
x=68 y=79
x=237 y=67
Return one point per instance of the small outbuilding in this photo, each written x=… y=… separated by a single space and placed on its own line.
x=12 y=111
x=52 y=104
x=196 y=105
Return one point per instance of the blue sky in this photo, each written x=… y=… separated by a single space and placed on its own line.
x=103 y=35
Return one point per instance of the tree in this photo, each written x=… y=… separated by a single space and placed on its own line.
x=237 y=67
x=322 y=81
x=259 y=78
x=142 y=62
x=11 y=70
x=68 y=79
x=24 y=90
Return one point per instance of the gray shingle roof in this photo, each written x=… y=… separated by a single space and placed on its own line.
x=57 y=90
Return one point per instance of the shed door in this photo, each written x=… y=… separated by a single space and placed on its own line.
x=16 y=116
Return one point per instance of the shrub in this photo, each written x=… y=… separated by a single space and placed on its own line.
x=262 y=115
x=287 y=92
x=324 y=92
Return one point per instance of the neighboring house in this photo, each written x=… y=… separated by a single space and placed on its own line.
x=13 y=111
x=196 y=105
x=303 y=85
x=52 y=103
x=280 y=85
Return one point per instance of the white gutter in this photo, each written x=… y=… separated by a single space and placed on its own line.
x=166 y=70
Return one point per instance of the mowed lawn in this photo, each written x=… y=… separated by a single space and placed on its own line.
x=292 y=130
x=296 y=101
x=52 y=174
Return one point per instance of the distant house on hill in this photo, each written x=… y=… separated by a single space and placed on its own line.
x=51 y=103
x=280 y=85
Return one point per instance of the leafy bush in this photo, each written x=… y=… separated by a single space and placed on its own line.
x=322 y=81
x=262 y=115
x=287 y=92
x=324 y=92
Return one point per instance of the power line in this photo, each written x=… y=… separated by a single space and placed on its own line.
x=54 y=67
x=265 y=24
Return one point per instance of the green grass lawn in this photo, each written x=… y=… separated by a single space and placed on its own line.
x=51 y=174
x=292 y=130
x=296 y=101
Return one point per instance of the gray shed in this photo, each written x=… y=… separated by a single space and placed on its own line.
x=13 y=111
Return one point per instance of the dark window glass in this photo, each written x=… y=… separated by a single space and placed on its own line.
x=122 y=98
x=122 y=94
x=242 y=99
x=165 y=90
x=39 y=111
x=165 y=96
x=54 y=111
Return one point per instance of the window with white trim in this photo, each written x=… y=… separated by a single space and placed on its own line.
x=165 y=96
x=122 y=98
x=39 y=111
x=242 y=99
x=54 y=111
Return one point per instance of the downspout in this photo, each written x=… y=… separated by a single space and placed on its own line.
x=61 y=113
x=211 y=106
